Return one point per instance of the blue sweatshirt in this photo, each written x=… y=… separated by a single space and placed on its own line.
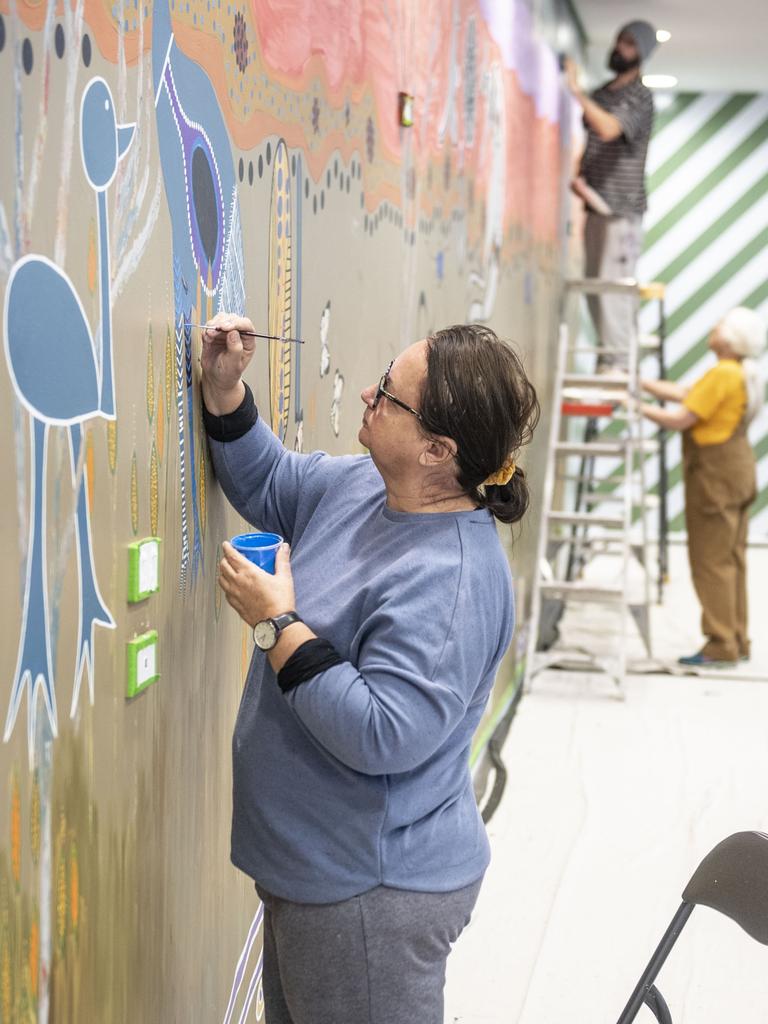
x=360 y=776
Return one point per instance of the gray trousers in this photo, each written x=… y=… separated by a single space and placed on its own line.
x=612 y=247
x=378 y=958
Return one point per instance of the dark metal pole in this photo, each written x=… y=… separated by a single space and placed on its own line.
x=648 y=976
x=656 y=1004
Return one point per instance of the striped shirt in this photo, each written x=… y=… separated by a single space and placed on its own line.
x=616 y=169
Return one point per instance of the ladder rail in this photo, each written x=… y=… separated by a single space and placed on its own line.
x=583 y=543
x=546 y=501
x=663 y=475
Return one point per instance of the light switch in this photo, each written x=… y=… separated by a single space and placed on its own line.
x=142 y=662
x=143 y=568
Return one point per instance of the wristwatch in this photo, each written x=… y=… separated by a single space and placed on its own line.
x=267 y=632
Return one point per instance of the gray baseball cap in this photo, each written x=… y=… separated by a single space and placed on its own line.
x=644 y=35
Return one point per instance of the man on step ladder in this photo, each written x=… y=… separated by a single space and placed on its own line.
x=618 y=118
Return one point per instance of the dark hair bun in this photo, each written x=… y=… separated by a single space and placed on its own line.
x=508 y=502
x=476 y=392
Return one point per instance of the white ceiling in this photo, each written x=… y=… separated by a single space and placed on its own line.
x=715 y=45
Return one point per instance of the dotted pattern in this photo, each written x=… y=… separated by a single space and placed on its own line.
x=280 y=291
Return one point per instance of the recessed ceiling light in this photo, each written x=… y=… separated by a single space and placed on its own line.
x=662 y=36
x=660 y=81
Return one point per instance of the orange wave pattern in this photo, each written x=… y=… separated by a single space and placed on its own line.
x=317 y=73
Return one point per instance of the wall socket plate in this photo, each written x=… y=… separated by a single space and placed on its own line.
x=143 y=666
x=143 y=568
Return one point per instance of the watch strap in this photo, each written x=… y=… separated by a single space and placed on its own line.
x=281 y=621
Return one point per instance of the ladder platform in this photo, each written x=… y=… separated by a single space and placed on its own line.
x=585 y=519
x=579 y=591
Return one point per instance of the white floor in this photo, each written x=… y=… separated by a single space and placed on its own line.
x=609 y=807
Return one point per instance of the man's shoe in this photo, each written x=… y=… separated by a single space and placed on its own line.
x=702 y=660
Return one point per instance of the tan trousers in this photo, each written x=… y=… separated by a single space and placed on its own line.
x=612 y=247
x=720 y=486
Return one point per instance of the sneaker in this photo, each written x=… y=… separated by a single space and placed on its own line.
x=702 y=660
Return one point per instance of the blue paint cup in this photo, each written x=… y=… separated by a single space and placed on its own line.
x=259 y=548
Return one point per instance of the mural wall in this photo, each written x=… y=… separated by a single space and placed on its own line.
x=163 y=162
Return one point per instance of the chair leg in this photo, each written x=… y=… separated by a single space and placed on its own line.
x=648 y=976
x=654 y=1000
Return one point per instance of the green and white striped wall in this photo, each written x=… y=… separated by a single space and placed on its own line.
x=706 y=236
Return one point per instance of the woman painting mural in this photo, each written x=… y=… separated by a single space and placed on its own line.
x=719 y=477
x=353 y=804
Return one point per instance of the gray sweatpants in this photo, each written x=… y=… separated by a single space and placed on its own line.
x=378 y=958
x=612 y=247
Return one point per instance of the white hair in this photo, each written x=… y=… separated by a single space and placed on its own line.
x=744 y=331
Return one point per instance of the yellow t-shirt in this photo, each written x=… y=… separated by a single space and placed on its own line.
x=719 y=399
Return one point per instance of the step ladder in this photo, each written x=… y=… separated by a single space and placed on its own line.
x=581 y=519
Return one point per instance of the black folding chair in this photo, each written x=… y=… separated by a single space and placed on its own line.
x=732 y=878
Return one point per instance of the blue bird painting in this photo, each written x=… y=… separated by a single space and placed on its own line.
x=63 y=378
x=200 y=188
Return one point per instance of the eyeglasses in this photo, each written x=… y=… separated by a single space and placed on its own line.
x=381 y=390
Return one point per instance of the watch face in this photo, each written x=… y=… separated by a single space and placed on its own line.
x=265 y=635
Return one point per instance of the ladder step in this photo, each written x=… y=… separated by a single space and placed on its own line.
x=619 y=448
x=601 y=381
x=650 y=342
x=592 y=540
x=574 y=478
x=592 y=411
x=603 y=285
x=585 y=350
x=650 y=500
x=646 y=343
x=588 y=448
x=603 y=499
x=585 y=519
x=582 y=592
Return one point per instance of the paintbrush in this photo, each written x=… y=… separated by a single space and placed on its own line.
x=249 y=334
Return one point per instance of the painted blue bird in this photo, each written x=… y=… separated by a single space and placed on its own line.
x=199 y=175
x=62 y=380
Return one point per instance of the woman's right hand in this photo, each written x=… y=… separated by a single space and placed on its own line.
x=225 y=356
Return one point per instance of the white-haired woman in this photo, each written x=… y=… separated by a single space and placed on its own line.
x=719 y=478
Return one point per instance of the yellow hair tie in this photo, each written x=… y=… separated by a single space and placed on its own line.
x=501 y=476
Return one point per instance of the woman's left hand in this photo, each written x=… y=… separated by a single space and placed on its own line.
x=254 y=593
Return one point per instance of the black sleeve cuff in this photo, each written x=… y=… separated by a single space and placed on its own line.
x=234 y=424
x=314 y=656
